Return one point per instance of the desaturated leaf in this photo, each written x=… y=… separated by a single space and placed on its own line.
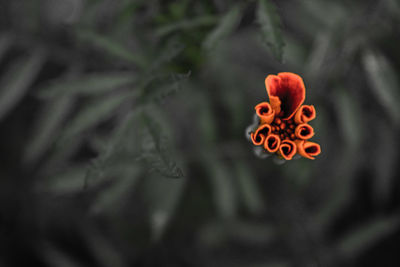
x=112 y=47
x=68 y=181
x=385 y=163
x=161 y=88
x=226 y=26
x=384 y=83
x=248 y=188
x=5 y=43
x=47 y=128
x=90 y=84
x=222 y=186
x=169 y=52
x=155 y=150
x=348 y=113
x=54 y=256
x=186 y=24
x=102 y=248
x=270 y=22
x=18 y=79
x=162 y=197
x=365 y=236
x=125 y=177
x=94 y=113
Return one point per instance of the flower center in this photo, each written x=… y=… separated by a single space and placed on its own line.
x=284 y=129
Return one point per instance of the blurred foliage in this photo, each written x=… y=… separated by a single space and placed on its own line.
x=122 y=133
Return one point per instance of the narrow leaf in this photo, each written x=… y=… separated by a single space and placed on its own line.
x=365 y=236
x=47 y=128
x=270 y=22
x=5 y=43
x=222 y=186
x=88 y=85
x=384 y=83
x=18 y=79
x=248 y=187
x=226 y=26
x=156 y=151
x=162 y=197
x=112 y=47
x=93 y=113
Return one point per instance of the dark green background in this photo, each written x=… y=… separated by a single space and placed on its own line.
x=122 y=133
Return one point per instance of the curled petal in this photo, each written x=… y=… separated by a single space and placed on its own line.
x=265 y=112
x=305 y=114
x=287 y=149
x=286 y=93
x=258 y=137
x=307 y=149
x=304 y=131
x=272 y=142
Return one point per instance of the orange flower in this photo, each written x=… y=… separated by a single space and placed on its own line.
x=304 y=131
x=286 y=93
x=272 y=143
x=304 y=114
x=283 y=126
x=287 y=149
x=307 y=149
x=261 y=133
x=265 y=112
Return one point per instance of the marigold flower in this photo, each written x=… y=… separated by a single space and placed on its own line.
x=304 y=114
x=307 y=149
x=283 y=126
x=272 y=143
x=304 y=131
x=260 y=134
x=265 y=112
x=287 y=149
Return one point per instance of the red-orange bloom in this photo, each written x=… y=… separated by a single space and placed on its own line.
x=304 y=131
x=286 y=93
x=308 y=149
x=265 y=112
x=272 y=143
x=305 y=114
x=261 y=133
x=283 y=127
x=287 y=149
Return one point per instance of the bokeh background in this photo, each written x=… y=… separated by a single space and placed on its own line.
x=122 y=128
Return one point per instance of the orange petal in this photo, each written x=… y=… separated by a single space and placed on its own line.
x=287 y=149
x=308 y=149
x=272 y=142
x=258 y=137
x=286 y=92
x=265 y=112
x=305 y=114
x=304 y=131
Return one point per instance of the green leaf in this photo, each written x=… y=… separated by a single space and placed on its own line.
x=18 y=79
x=112 y=47
x=365 y=236
x=270 y=22
x=384 y=83
x=226 y=26
x=89 y=84
x=156 y=151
